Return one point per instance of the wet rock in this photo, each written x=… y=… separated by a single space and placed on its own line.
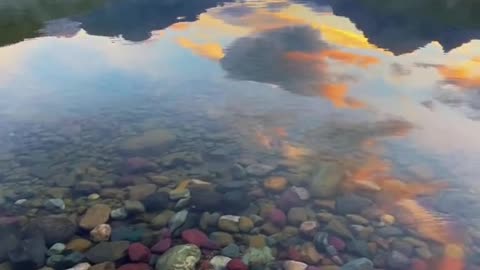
x=182 y=257
x=95 y=215
x=277 y=217
x=107 y=251
x=150 y=141
x=258 y=257
x=161 y=220
x=131 y=234
x=236 y=264
x=179 y=193
x=297 y=215
x=389 y=231
x=397 y=260
x=423 y=252
x=232 y=250
x=359 y=247
x=387 y=219
x=326 y=180
x=294 y=265
x=337 y=243
x=245 y=224
x=220 y=262
x=139 y=164
x=101 y=232
x=56 y=249
x=206 y=200
x=309 y=254
x=161 y=246
x=238 y=172
x=178 y=220
x=142 y=191
x=87 y=187
x=402 y=247
x=309 y=228
x=10 y=239
x=275 y=183
x=234 y=201
x=229 y=223
x=72 y=260
x=103 y=266
x=259 y=169
x=351 y=204
x=79 y=245
x=289 y=199
x=207 y=220
x=55 y=228
x=356 y=219
x=133 y=207
x=156 y=201
x=93 y=197
x=358 y=264
x=337 y=227
x=198 y=238
x=138 y=253
x=29 y=254
x=81 y=266
x=257 y=241
x=55 y=204
x=135 y=266
x=119 y=214
x=55 y=261
x=222 y=239
x=301 y=192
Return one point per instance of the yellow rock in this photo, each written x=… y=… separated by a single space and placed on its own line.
x=454 y=251
x=275 y=183
x=257 y=241
x=79 y=245
x=245 y=224
x=387 y=219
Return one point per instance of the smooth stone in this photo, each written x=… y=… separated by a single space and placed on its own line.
x=389 y=231
x=56 y=249
x=138 y=164
x=20 y=201
x=229 y=223
x=93 y=197
x=236 y=264
x=55 y=260
x=232 y=250
x=207 y=220
x=101 y=232
x=297 y=215
x=87 y=187
x=310 y=254
x=223 y=239
x=245 y=224
x=294 y=265
x=238 y=172
x=161 y=246
x=309 y=228
x=359 y=247
x=138 y=252
x=259 y=169
x=387 y=219
x=29 y=254
x=198 y=238
x=103 y=266
x=135 y=266
x=257 y=257
x=277 y=217
x=73 y=259
x=177 y=220
x=161 y=220
x=358 y=264
x=424 y=253
x=133 y=207
x=220 y=262
x=257 y=241
x=95 y=215
x=55 y=229
x=107 y=251
x=142 y=191
x=119 y=214
x=402 y=247
x=356 y=219
x=289 y=199
x=301 y=192
x=55 y=204
x=182 y=203
x=181 y=257
x=275 y=183
x=235 y=201
x=397 y=260
x=81 y=266
x=149 y=141
x=351 y=204
x=79 y=245
x=156 y=202
x=179 y=193
x=326 y=180
x=132 y=234
x=337 y=227
x=206 y=200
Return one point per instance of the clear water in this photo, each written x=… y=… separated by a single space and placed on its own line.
x=389 y=93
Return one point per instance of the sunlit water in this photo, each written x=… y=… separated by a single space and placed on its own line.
x=287 y=83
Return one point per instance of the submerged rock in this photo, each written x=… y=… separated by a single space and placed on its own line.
x=29 y=254
x=257 y=257
x=107 y=251
x=351 y=204
x=326 y=181
x=156 y=201
x=178 y=220
x=55 y=204
x=182 y=257
x=151 y=140
x=358 y=264
x=95 y=215
x=54 y=228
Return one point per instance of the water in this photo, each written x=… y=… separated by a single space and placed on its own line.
x=385 y=94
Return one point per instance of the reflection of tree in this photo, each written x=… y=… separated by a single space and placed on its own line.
x=403 y=26
x=21 y=19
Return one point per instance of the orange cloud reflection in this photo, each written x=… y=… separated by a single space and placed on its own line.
x=337 y=94
x=465 y=75
x=211 y=51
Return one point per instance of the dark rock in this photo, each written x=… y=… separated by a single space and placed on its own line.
x=9 y=239
x=156 y=201
x=289 y=199
x=87 y=187
x=55 y=229
x=138 y=253
x=359 y=247
x=191 y=221
x=206 y=200
x=389 y=231
x=238 y=172
x=131 y=234
x=234 y=201
x=107 y=251
x=351 y=204
x=29 y=254
x=358 y=264
x=403 y=247
x=139 y=164
x=397 y=260
x=231 y=251
x=232 y=186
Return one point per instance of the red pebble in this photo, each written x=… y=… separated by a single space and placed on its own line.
x=418 y=264
x=236 y=264
x=162 y=246
x=138 y=253
x=294 y=254
x=337 y=243
x=135 y=266
x=198 y=238
x=277 y=217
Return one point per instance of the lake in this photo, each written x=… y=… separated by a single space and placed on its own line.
x=254 y=134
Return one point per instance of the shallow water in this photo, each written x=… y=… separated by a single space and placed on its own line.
x=389 y=96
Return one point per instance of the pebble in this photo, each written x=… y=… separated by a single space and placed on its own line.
x=236 y=264
x=53 y=204
x=223 y=239
x=220 y=262
x=309 y=228
x=161 y=246
x=161 y=220
x=397 y=260
x=101 y=232
x=337 y=227
x=56 y=249
x=277 y=217
x=358 y=264
x=185 y=256
x=93 y=196
x=232 y=251
x=297 y=215
x=95 y=215
x=229 y=223
x=389 y=231
x=302 y=193
x=259 y=169
x=20 y=202
x=138 y=252
x=294 y=265
x=133 y=207
x=275 y=183
x=356 y=219
x=119 y=214
x=387 y=219
x=177 y=220
x=79 y=245
x=103 y=266
x=245 y=224
x=81 y=266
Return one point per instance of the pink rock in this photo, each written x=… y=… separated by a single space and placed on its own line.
x=138 y=253
x=294 y=254
x=294 y=265
x=135 y=266
x=162 y=246
x=336 y=242
x=289 y=199
x=277 y=217
x=309 y=228
x=198 y=238
x=101 y=232
x=236 y=264
x=418 y=264
x=10 y=221
x=139 y=164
